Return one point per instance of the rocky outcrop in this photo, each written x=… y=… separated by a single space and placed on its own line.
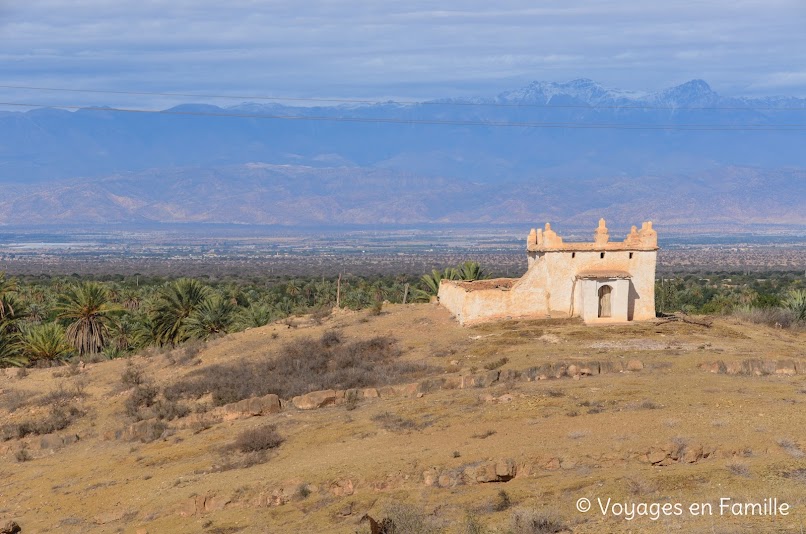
x=755 y=367
x=314 y=399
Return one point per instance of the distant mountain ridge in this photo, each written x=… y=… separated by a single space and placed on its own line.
x=593 y=148
x=260 y=193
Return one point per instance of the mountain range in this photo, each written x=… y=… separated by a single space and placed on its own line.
x=683 y=154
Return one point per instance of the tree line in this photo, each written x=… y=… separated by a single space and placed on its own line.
x=45 y=320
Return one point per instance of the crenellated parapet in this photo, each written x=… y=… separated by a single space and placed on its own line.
x=546 y=239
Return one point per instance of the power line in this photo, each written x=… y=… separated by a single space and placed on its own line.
x=399 y=102
x=393 y=120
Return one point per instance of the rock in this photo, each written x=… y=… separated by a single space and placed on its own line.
x=786 y=368
x=342 y=488
x=109 y=517
x=692 y=454
x=141 y=531
x=656 y=456
x=144 y=431
x=346 y=511
x=487 y=397
x=573 y=370
x=370 y=393
x=507 y=397
x=508 y=375
x=552 y=464
x=733 y=368
x=430 y=477
x=487 y=379
x=635 y=365
x=254 y=406
x=215 y=503
x=10 y=528
x=315 y=399
x=505 y=469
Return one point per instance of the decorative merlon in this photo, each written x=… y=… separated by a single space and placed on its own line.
x=546 y=240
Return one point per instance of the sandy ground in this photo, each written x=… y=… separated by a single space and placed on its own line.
x=569 y=439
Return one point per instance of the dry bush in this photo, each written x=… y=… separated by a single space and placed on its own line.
x=143 y=404
x=302 y=366
x=62 y=396
x=791 y=447
x=251 y=447
x=395 y=423
x=496 y=364
x=739 y=469
x=408 y=519
x=533 y=522
x=484 y=435
x=142 y=396
x=640 y=488
x=132 y=376
x=772 y=317
x=12 y=400
x=502 y=501
x=258 y=439
x=59 y=418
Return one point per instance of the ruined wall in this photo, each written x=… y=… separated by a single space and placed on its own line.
x=551 y=286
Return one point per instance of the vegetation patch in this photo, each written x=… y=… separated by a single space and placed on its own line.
x=302 y=366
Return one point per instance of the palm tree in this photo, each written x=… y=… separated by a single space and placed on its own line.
x=430 y=282
x=87 y=308
x=174 y=305
x=8 y=286
x=795 y=300
x=254 y=316
x=10 y=353
x=45 y=342
x=471 y=270
x=214 y=316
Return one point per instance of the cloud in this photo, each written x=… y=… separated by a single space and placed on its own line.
x=410 y=49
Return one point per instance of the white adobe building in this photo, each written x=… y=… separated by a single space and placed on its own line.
x=601 y=282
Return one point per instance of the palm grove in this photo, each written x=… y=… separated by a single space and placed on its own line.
x=47 y=320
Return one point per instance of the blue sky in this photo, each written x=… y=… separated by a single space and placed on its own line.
x=408 y=50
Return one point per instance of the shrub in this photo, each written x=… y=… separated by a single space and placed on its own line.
x=22 y=454
x=405 y=518
x=302 y=366
x=58 y=418
x=502 y=501
x=142 y=396
x=394 y=423
x=534 y=522
x=496 y=364
x=484 y=435
x=258 y=439
x=132 y=376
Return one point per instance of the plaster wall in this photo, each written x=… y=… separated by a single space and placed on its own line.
x=557 y=279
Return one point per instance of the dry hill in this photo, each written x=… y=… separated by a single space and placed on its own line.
x=500 y=427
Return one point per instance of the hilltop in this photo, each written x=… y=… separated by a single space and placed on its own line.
x=545 y=411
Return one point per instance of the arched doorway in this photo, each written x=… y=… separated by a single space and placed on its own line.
x=604 y=301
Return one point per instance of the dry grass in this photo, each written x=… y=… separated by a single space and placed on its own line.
x=304 y=365
x=353 y=462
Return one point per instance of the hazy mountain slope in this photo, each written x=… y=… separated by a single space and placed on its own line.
x=286 y=194
x=48 y=144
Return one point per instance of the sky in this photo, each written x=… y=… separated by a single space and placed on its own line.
x=409 y=50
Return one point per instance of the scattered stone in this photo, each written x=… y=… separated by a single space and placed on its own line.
x=635 y=365
x=109 y=517
x=10 y=528
x=315 y=399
